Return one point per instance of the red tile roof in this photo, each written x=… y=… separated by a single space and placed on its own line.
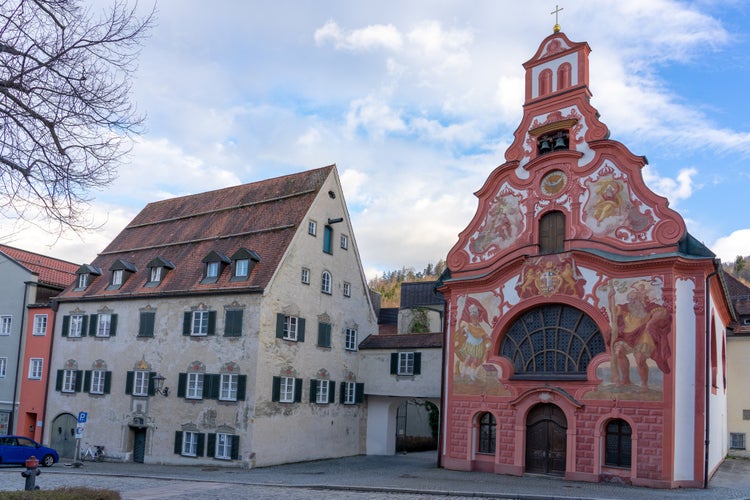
x=261 y=216
x=55 y=272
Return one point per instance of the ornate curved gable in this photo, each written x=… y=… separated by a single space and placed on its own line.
x=562 y=160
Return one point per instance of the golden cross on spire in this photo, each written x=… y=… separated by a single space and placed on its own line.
x=557 y=10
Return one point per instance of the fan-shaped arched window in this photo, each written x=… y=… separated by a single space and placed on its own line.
x=553 y=341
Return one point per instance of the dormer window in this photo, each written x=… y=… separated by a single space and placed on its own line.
x=157 y=271
x=554 y=141
x=86 y=274
x=243 y=262
x=214 y=265
x=121 y=271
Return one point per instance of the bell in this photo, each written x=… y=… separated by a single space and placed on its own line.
x=560 y=143
x=544 y=147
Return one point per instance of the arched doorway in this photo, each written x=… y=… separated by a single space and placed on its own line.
x=63 y=435
x=546 y=439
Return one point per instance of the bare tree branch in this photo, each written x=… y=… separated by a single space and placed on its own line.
x=66 y=117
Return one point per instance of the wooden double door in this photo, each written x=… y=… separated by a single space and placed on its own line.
x=546 y=440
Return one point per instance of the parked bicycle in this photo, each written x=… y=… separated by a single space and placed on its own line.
x=95 y=453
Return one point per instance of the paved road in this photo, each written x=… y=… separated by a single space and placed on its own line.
x=406 y=477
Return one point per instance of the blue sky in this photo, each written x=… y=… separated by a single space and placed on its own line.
x=416 y=103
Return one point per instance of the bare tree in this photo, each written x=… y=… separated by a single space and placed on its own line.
x=66 y=118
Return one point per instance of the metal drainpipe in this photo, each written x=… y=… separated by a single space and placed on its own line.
x=708 y=375
x=12 y=420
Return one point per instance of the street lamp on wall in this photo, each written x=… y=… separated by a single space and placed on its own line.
x=159 y=383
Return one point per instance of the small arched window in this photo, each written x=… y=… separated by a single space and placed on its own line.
x=545 y=82
x=563 y=76
x=487 y=434
x=552 y=232
x=325 y=282
x=617 y=448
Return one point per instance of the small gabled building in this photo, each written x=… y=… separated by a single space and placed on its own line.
x=401 y=369
x=738 y=369
x=29 y=282
x=220 y=327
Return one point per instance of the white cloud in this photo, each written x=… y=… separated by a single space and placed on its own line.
x=727 y=248
x=373 y=115
x=367 y=38
x=679 y=188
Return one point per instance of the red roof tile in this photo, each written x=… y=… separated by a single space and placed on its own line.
x=261 y=216
x=51 y=271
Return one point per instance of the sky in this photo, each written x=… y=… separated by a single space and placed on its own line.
x=416 y=103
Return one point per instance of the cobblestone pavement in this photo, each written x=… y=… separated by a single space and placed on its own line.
x=407 y=477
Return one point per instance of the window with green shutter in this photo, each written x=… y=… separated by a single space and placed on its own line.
x=324 y=334
x=146 y=324
x=233 y=323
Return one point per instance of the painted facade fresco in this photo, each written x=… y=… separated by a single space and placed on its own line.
x=640 y=323
x=610 y=209
x=472 y=343
x=503 y=224
x=549 y=275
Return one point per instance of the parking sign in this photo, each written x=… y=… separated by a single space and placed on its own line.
x=82 y=416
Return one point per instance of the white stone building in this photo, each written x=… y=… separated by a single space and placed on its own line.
x=218 y=328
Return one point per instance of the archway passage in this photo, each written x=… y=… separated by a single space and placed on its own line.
x=63 y=435
x=546 y=440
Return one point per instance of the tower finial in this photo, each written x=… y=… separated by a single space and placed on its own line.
x=556 y=28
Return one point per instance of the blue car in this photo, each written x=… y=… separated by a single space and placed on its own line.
x=17 y=449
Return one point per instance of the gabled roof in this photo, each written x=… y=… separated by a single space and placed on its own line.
x=420 y=293
x=739 y=294
x=261 y=216
x=54 y=272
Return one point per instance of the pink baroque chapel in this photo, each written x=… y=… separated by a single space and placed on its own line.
x=585 y=326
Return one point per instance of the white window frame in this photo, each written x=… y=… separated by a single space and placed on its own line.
x=241 y=267
x=189 y=443
x=194 y=385
x=350 y=393
x=746 y=321
x=76 y=325
x=321 y=391
x=140 y=383
x=155 y=274
x=3 y=366
x=305 y=276
x=344 y=242
x=223 y=449
x=103 y=325
x=228 y=386
x=40 y=324
x=350 y=339
x=97 y=382
x=69 y=381
x=117 y=277
x=291 y=328
x=199 y=324
x=737 y=441
x=406 y=363
x=312 y=228
x=83 y=281
x=36 y=367
x=212 y=269
x=326 y=282
x=286 y=390
x=6 y=324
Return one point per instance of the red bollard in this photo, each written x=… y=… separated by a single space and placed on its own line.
x=31 y=472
